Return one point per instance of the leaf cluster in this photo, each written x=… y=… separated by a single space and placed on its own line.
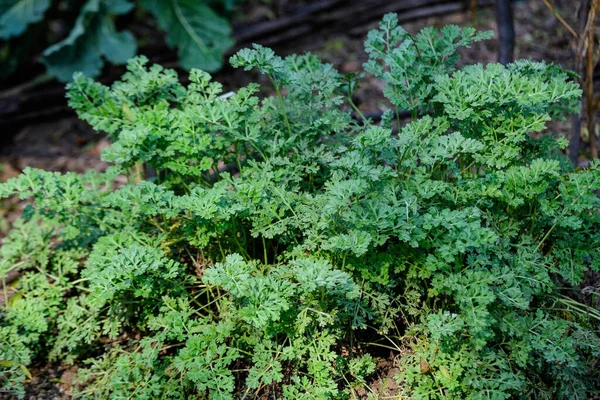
x=281 y=243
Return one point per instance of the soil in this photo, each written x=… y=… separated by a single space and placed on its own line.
x=68 y=144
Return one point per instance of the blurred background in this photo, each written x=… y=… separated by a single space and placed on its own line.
x=43 y=42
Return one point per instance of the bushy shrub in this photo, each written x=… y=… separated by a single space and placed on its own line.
x=281 y=240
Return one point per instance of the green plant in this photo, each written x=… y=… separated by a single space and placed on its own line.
x=195 y=28
x=282 y=243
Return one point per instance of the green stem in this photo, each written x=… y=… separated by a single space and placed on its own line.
x=355 y=108
x=264 y=243
x=280 y=98
x=237 y=156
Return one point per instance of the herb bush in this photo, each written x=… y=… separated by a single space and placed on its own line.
x=281 y=242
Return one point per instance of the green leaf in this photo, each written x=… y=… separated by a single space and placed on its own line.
x=93 y=36
x=267 y=367
x=15 y=15
x=199 y=33
x=256 y=252
x=25 y=371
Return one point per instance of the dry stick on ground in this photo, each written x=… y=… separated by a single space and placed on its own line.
x=589 y=76
x=7 y=291
x=575 y=144
x=473 y=11
x=583 y=47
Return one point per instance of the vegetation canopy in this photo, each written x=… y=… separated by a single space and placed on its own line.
x=282 y=244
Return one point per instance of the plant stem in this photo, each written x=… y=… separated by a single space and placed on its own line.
x=280 y=98
x=264 y=243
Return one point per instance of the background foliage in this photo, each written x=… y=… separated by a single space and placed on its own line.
x=281 y=242
x=196 y=28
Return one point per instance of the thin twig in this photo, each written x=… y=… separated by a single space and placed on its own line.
x=23 y=87
x=561 y=19
x=591 y=111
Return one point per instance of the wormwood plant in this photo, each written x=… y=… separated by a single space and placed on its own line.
x=282 y=243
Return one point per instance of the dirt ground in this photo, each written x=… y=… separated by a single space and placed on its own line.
x=70 y=145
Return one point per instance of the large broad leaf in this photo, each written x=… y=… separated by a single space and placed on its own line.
x=15 y=15
x=195 y=29
x=94 y=36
